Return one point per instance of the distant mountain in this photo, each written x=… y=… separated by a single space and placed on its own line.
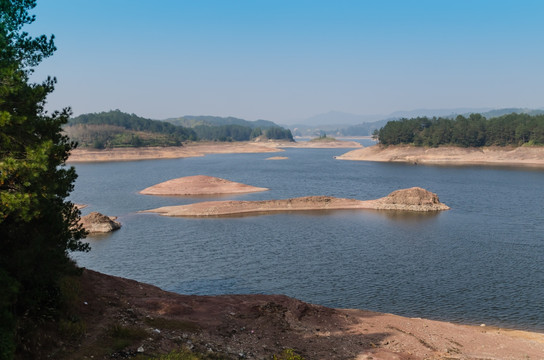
x=436 y=112
x=192 y=121
x=336 y=118
x=119 y=129
x=337 y=123
x=501 y=112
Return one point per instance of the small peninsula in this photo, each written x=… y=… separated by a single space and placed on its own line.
x=413 y=199
x=199 y=185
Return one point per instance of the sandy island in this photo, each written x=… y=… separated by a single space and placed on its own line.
x=259 y=326
x=450 y=155
x=277 y=158
x=199 y=185
x=196 y=149
x=413 y=199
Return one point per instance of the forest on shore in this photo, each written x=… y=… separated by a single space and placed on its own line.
x=472 y=131
x=118 y=129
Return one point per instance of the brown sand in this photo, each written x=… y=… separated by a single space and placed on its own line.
x=277 y=158
x=449 y=155
x=199 y=185
x=258 y=326
x=193 y=150
x=413 y=199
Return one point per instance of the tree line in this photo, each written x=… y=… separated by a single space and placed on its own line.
x=472 y=131
x=118 y=129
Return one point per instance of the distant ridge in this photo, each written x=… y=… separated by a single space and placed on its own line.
x=192 y=121
x=338 y=123
x=341 y=119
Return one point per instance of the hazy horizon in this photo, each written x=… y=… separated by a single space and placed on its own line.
x=284 y=60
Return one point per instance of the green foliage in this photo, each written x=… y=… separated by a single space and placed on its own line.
x=473 y=131
x=122 y=336
x=185 y=354
x=37 y=226
x=323 y=138
x=288 y=354
x=278 y=133
x=223 y=133
x=193 y=121
x=119 y=129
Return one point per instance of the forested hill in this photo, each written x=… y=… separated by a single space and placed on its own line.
x=472 y=131
x=193 y=121
x=118 y=129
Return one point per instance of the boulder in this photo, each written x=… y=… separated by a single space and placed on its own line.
x=96 y=222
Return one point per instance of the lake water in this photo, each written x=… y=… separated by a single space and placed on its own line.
x=480 y=262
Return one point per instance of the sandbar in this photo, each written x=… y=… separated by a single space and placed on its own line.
x=413 y=199
x=199 y=185
x=195 y=149
x=277 y=158
x=531 y=156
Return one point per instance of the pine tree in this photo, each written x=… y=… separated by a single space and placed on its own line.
x=38 y=226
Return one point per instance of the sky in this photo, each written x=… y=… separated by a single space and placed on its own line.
x=285 y=60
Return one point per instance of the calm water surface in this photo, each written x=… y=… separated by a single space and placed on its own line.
x=481 y=262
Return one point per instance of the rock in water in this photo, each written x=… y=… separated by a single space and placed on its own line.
x=415 y=198
x=96 y=222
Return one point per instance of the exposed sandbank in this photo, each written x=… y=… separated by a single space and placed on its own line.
x=196 y=149
x=449 y=155
x=172 y=152
x=277 y=158
x=199 y=185
x=413 y=199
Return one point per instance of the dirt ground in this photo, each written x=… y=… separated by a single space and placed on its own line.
x=259 y=326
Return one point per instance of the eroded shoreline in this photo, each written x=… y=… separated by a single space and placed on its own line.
x=197 y=149
x=525 y=156
x=258 y=326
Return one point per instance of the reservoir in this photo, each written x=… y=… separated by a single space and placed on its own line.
x=480 y=262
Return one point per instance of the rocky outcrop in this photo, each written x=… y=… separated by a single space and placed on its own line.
x=413 y=199
x=199 y=185
x=96 y=222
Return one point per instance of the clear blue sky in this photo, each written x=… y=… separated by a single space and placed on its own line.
x=290 y=59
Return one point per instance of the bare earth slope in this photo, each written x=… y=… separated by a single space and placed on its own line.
x=258 y=326
x=413 y=199
x=450 y=155
x=195 y=149
x=199 y=185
